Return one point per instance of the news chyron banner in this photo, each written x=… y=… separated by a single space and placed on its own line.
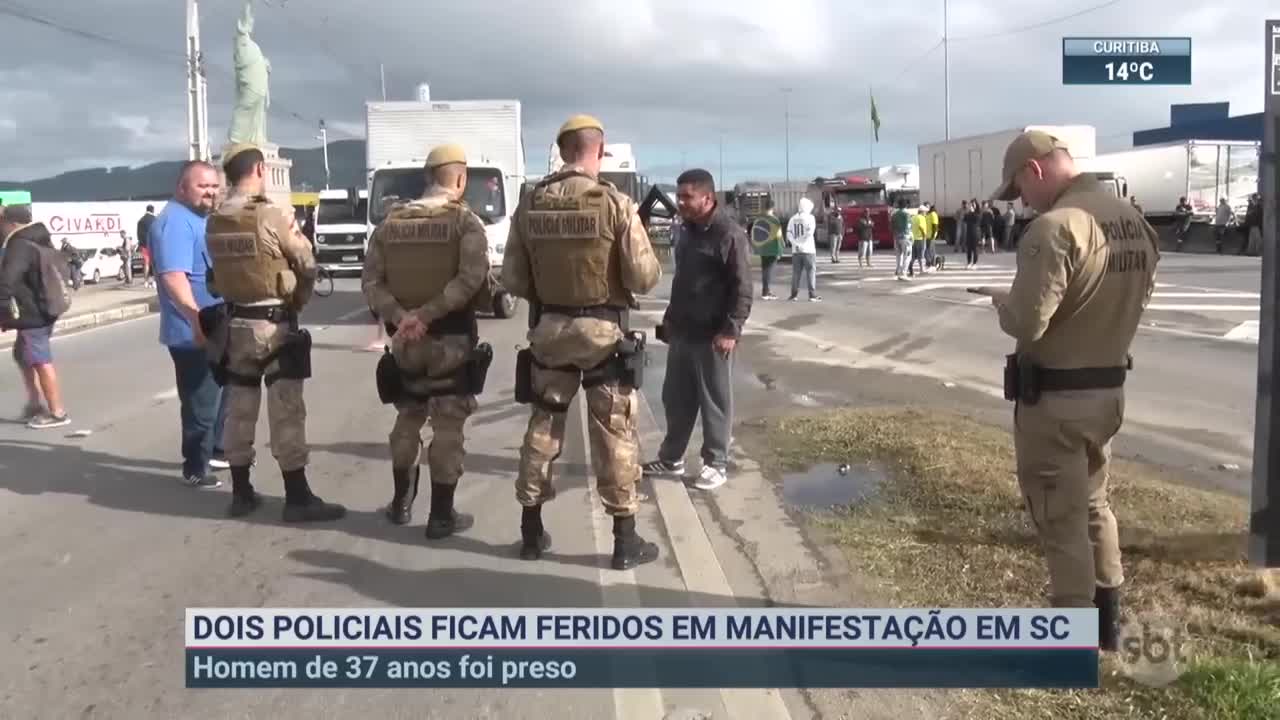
x=641 y=648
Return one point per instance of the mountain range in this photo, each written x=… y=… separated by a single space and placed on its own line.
x=156 y=181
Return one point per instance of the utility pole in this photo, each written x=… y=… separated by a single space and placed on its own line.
x=721 y=182
x=871 y=130
x=786 y=119
x=382 y=72
x=324 y=143
x=197 y=89
x=1264 y=522
x=946 y=74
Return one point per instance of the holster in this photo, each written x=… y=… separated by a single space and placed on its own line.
x=524 y=376
x=468 y=378
x=216 y=326
x=477 y=368
x=632 y=358
x=660 y=332
x=1021 y=381
x=388 y=379
x=294 y=357
x=1025 y=381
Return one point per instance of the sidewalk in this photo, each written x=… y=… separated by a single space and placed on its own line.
x=94 y=305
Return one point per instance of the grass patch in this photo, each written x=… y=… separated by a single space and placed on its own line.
x=950 y=530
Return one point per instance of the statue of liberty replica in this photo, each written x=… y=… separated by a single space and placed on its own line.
x=253 y=97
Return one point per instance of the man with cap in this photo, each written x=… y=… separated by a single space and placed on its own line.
x=579 y=252
x=1085 y=272
x=263 y=267
x=426 y=263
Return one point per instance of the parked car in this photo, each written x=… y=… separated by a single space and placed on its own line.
x=101 y=262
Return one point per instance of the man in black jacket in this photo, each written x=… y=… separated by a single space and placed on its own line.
x=23 y=308
x=710 y=302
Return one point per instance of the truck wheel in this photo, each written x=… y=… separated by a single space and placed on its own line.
x=504 y=305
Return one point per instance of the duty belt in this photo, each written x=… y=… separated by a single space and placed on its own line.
x=272 y=313
x=1055 y=379
x=611 y=313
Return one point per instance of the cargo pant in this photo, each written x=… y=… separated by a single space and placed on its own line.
x=446 y=413
x=612 y=422
x=1063 y=446
x=248 y=342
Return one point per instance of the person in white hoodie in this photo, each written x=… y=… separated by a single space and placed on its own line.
x=804 y=250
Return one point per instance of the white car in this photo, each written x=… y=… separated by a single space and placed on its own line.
x=98 y=263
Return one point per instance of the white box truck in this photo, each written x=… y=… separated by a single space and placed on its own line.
x=1203 y=171
x=400 y=134
x=341 y=229
x=954 y=171
x=618 y=167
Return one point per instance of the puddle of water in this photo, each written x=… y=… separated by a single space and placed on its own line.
x=831 y=484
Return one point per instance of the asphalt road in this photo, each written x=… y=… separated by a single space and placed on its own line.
x=104 y=549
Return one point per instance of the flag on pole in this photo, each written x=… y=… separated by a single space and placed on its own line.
x=875 y=118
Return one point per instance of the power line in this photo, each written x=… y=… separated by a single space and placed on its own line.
x=1037 y=25
x=911 y=64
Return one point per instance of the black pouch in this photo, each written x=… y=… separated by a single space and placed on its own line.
x=660 y=332
x=295 y=357
x=477 y=368
x=1011 y=378
x=632 y=358
x=387 y=376
x=524 y=377
x=1028 y=383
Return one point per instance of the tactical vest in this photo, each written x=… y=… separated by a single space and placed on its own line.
x=245 y=269
x=422 y=246
x=570 y=241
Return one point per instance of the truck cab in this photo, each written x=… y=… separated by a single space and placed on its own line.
x=485 y=195
x=341 y=232
x=852 y=198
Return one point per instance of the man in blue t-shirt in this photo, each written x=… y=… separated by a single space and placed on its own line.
x=181 y=259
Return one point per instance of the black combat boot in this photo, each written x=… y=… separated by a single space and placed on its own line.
x=244 y=499
x=1107 y=600
x=301 y=505
x=629 y=549
x=444 y=520
x=400 y=511
x=535 y=540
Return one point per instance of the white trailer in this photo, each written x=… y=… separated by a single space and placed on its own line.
x=954 y=171
x=1202 y=171
x=893 y=177
x=400 y=134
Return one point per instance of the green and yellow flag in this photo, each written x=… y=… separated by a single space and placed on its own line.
x=875 y=118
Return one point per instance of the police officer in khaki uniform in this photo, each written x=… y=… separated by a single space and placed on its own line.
x=1086 y=270
x=579 y=253
x=426 y=263
x=263 y=267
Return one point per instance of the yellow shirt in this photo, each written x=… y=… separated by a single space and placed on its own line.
x=919 y=226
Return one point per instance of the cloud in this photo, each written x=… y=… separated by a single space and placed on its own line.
x=671 y=77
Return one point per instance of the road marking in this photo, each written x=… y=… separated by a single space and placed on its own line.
x=355 y=314
x=986 y=277
x=702 y=573
x=979 y=301
x=1194 y=308
x=617 y=589
x=166 y=395
x=912 y=290
x=1247 y=330
x=1215 y=295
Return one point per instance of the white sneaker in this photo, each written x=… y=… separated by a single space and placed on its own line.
x=710 y=478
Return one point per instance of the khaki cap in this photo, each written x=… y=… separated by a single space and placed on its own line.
x=1028 y=146
x=231 y=151
x=579 y=122
x=446 y=155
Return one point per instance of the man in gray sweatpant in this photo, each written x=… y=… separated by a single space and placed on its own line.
x=710 y=300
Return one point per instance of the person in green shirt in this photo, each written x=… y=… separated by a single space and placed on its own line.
x=766 y=239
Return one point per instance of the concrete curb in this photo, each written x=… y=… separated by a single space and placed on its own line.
x=118 y=313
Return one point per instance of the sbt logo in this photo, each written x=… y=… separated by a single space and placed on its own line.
x=1153 y=652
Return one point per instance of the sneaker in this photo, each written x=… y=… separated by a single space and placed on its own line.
x=662 y=468
x=44 y=421
x=219 y=461
x=768 y=296
x=710 y=478
x=201 y=483
x=816 y=298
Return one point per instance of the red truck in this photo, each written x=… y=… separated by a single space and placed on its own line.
x=853 y=197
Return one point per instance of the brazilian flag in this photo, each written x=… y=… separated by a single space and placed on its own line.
x=766 y=236
x=875 y=118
